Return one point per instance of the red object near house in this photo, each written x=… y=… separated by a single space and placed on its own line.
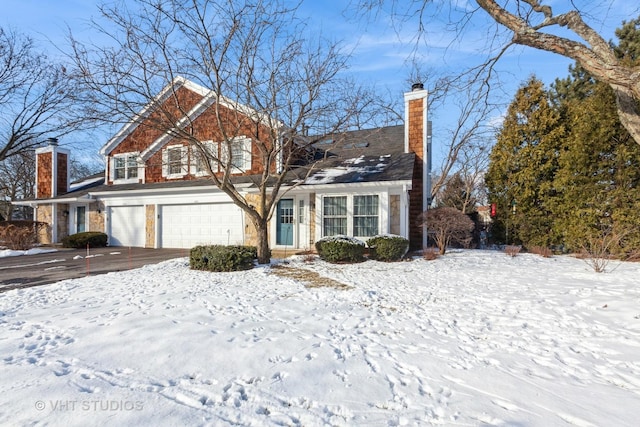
x=493 y=209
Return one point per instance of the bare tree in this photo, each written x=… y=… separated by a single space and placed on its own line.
x=17 y=181
x=254 y=55
x=533 y=23
x=448 y=225
x=36 y=99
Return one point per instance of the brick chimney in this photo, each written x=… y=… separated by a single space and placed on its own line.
x=52 y=170
x=417 y=132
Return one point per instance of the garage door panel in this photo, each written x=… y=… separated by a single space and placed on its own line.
x=126 y=226
x=186 y=226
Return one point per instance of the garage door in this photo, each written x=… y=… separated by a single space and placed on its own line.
x=186 y=226
x=126 y=226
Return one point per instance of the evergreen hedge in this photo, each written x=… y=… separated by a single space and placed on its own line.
x=95 y=239
x=222 y=258
x=387 y=247
x=340 y=249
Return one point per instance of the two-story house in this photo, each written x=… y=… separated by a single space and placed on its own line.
x=156 y=191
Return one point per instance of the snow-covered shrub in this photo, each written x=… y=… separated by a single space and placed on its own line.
x=387 y=247
x=94 y=239
x=222 y=258
x=340 y=249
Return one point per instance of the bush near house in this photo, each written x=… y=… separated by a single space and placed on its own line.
x=387 y=247
x=94 y=239
x=222 y=258
x=20 y=235
x=340 y=249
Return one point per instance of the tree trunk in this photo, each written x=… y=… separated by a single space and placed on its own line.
x=628 y=111
x=264 y=252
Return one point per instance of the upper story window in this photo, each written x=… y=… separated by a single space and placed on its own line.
x=124 y=167
x=240 y=150
x=174 y=161
x=202 y=157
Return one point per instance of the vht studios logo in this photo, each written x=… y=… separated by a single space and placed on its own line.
x=90 y=405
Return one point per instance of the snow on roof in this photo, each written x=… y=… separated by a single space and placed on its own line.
x=359 y=167
x=85 y=182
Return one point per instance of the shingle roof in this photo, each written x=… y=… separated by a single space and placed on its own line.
x=371 y=155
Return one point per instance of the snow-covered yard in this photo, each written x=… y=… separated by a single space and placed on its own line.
x=475 y=338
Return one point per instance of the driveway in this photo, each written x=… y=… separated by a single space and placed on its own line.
x=33 y=270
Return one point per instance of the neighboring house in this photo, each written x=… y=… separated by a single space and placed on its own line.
x=155 y=193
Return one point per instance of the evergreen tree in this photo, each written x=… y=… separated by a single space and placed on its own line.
x=523 y=163
x=458 y=193
x=599 y=166
x=599 y=175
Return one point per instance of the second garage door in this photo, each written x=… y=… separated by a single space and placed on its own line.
x=186 y=226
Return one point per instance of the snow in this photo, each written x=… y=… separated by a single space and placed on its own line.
x=329 y=175
x=474 y=338
x=34 y=251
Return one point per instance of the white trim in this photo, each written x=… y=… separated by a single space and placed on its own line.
x=211 y=148
x=245 y=149
x=112 y=168
x=128 y=128
x=184 y=164
x=196 y=111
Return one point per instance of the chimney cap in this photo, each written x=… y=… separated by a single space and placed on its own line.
x=417 y=86
x=52 y=141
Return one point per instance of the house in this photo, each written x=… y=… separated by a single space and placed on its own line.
x=155 y=193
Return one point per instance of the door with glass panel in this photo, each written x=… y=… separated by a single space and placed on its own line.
x=284 y=229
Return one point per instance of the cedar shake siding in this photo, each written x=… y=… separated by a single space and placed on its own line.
x=415 y=134
x=62 y=186
x=204 y=127
x=45 y=172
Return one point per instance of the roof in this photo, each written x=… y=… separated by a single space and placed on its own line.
x=361 y=156
x=371 y=142
x=361 y=169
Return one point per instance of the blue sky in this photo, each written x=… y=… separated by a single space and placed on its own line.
x=380 y=51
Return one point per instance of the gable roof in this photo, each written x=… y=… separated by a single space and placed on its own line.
x=209 y=97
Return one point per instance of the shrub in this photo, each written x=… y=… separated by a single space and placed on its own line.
x=222 y=258
x=543 y=251
x=512 y=250
x=387 y=247
x=20 y=235
x=430 y=253
x=95 y=239
x=340 y=249
x=446 y=225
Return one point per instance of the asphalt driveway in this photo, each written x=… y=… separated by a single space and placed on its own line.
x=33 y=270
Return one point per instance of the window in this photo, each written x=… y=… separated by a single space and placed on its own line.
x=125 y=166
x=357 y=216
x=200 y=158
x=334 y=219
x=174 y=161
x=240 y=154
x=365 y=216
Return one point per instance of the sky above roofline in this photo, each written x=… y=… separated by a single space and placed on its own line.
x=380 y=49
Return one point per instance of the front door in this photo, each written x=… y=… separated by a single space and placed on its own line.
x=284 y=231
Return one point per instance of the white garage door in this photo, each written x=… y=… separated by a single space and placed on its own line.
x=186 y=226
x=126 y=226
